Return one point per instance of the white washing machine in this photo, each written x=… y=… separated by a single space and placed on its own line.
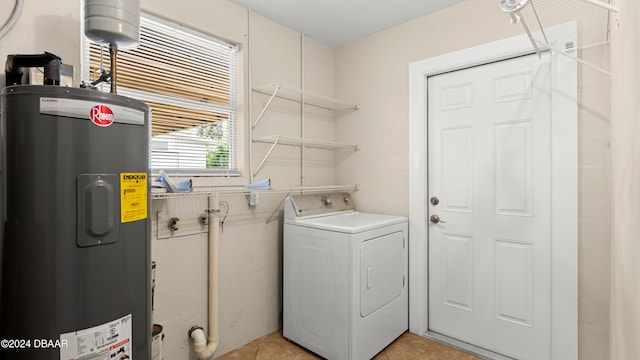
x=344 y=277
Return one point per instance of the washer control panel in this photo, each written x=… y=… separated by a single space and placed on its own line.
x=320 y=204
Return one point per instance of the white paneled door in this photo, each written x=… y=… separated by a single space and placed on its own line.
x=490 y=206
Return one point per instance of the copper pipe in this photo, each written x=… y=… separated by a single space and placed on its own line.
x=113 y=52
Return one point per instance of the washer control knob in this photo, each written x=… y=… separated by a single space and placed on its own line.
x=326 y=201
x=347 y=199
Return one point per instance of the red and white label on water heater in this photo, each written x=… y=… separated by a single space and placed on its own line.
x=109 y=341
x=100 y=114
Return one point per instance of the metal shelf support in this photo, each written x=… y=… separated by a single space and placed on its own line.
x=264 y=161
x=266 y=107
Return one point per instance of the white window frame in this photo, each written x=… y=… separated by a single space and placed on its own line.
x=235 y=116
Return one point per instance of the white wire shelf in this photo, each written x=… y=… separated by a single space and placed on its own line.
x=285 y=140
x=159 y=194
x=278 y=90
x=276 y=140
x=308 y=97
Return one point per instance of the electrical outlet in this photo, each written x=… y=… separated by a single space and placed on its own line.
x=253 y=198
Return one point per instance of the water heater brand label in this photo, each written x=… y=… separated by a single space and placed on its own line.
x=133 y=197
x=101 y=114
x=108 y=341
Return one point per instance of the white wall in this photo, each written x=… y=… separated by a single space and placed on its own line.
x=625 y=150
x=374 y=72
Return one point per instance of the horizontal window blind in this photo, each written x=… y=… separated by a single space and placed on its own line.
x=189 y=81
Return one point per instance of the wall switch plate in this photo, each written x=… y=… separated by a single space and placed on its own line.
x=253 y=198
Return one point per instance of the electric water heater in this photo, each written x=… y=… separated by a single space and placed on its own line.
x=76 y=242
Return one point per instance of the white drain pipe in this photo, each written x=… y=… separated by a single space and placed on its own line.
x=204 y=346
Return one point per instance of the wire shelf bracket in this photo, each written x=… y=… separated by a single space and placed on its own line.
x=302 y=96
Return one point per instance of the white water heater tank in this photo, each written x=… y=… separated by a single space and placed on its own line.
x=113 y=22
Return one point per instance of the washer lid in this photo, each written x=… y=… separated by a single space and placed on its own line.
x=350 y=222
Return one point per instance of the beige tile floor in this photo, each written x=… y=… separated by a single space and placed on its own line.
x=406 y=347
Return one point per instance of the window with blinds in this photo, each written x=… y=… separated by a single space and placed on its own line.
x=189 y=81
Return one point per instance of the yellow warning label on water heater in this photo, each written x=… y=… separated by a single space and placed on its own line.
x=133 y=197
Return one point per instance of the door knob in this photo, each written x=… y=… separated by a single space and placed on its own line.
x=436 y=219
